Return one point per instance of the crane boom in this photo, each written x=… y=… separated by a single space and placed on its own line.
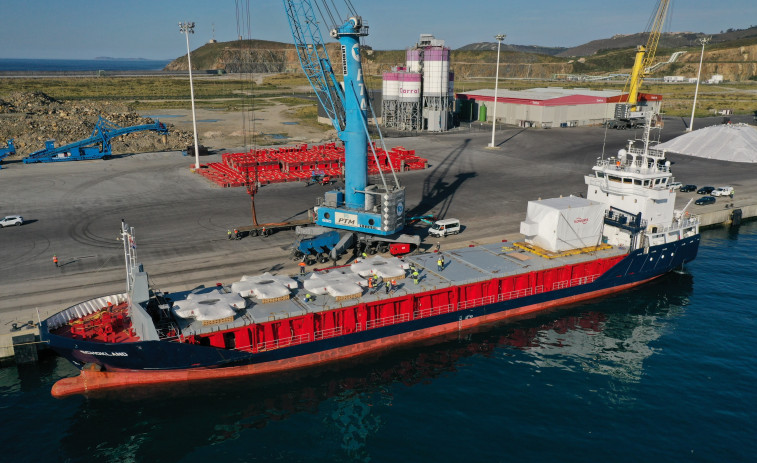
x=361 y=207
x=645 y=54
x=314 y=59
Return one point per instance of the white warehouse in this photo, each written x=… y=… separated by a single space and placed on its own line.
x=547 y=107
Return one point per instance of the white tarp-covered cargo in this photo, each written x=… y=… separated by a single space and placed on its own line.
x=335 y=282
x=385 y=267
x=728 y=142
x=209 y=305
x=561 y=224
x=264 y=287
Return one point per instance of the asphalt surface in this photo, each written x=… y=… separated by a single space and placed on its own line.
x=74 y=209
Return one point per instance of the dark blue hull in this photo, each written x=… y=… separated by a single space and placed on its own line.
x=636 y=267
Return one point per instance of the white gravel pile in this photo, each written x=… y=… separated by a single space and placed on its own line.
x=728 y=142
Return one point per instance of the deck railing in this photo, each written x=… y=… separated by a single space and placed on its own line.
x=424 y=313
x=284 y=342
x=574 y=282
x=329 y=333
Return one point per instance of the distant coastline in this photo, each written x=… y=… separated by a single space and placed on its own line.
x=110 y=58
x=81 y=65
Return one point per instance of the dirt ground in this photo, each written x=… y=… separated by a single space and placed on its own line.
x=32 y=118
x=223 y=131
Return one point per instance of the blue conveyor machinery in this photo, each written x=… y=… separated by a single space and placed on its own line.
x=97 y=146
x=9 y=151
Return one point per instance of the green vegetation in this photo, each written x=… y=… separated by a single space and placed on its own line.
x=293 y=101
x=233 y=93
x=127 y=88
x=160 y=92
x=286 y=80
x=307 y=115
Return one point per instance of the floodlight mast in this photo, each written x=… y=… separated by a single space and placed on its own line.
x=704 y=41
x=187 y=28
x=500 y=38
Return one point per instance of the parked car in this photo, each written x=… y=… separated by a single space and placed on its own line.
x=676 y=185
x=687 y=188
x=11 y=220
x=705 y=190
x=722 y=191
x=705 y=200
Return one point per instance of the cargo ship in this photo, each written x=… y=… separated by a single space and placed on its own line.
x=623 y=233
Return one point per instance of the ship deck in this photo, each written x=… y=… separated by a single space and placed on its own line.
x=461 y=266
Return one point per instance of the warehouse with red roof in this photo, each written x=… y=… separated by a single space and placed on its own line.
x=547 y=107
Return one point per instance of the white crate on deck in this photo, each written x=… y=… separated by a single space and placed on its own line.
x=562 y=224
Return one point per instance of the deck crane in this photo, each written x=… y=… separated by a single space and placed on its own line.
x=375 y=212
x=631 y=112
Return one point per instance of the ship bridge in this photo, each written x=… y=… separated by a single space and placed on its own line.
x=637 y=181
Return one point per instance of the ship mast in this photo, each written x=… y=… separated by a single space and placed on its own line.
x=130 y=253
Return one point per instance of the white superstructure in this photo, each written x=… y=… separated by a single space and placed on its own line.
x=635 y=187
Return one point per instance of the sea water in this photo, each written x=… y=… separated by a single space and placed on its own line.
x=71 y=65
x=664 y=372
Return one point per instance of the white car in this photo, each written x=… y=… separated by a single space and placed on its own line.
x=676 y=185
x=722 y=191
x=10 y=220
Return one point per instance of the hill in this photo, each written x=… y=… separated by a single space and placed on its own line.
x=732 y=53
x=492 y=46
x=239 y=56
x=260 y=56
x=667 y=40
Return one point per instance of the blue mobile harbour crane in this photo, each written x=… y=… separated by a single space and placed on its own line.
x=9 y=151
x=374 y=213
x=97 y=146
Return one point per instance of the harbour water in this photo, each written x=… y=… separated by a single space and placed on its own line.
x=70 y=65
x=664 y=372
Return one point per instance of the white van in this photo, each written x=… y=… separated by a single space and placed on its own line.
x=445 y=227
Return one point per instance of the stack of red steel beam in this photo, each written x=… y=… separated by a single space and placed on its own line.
x=302 y=162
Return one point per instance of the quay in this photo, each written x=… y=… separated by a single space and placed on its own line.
x=73 y=210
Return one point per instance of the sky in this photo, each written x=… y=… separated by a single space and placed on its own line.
x=86 y=29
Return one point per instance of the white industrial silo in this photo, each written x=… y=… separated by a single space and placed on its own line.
x=390 y=95
x=408 y=101
x=413 y=59
x=435 y=71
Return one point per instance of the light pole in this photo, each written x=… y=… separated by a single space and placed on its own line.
x=189 y=28
x=704 y=41
x=500 y=38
